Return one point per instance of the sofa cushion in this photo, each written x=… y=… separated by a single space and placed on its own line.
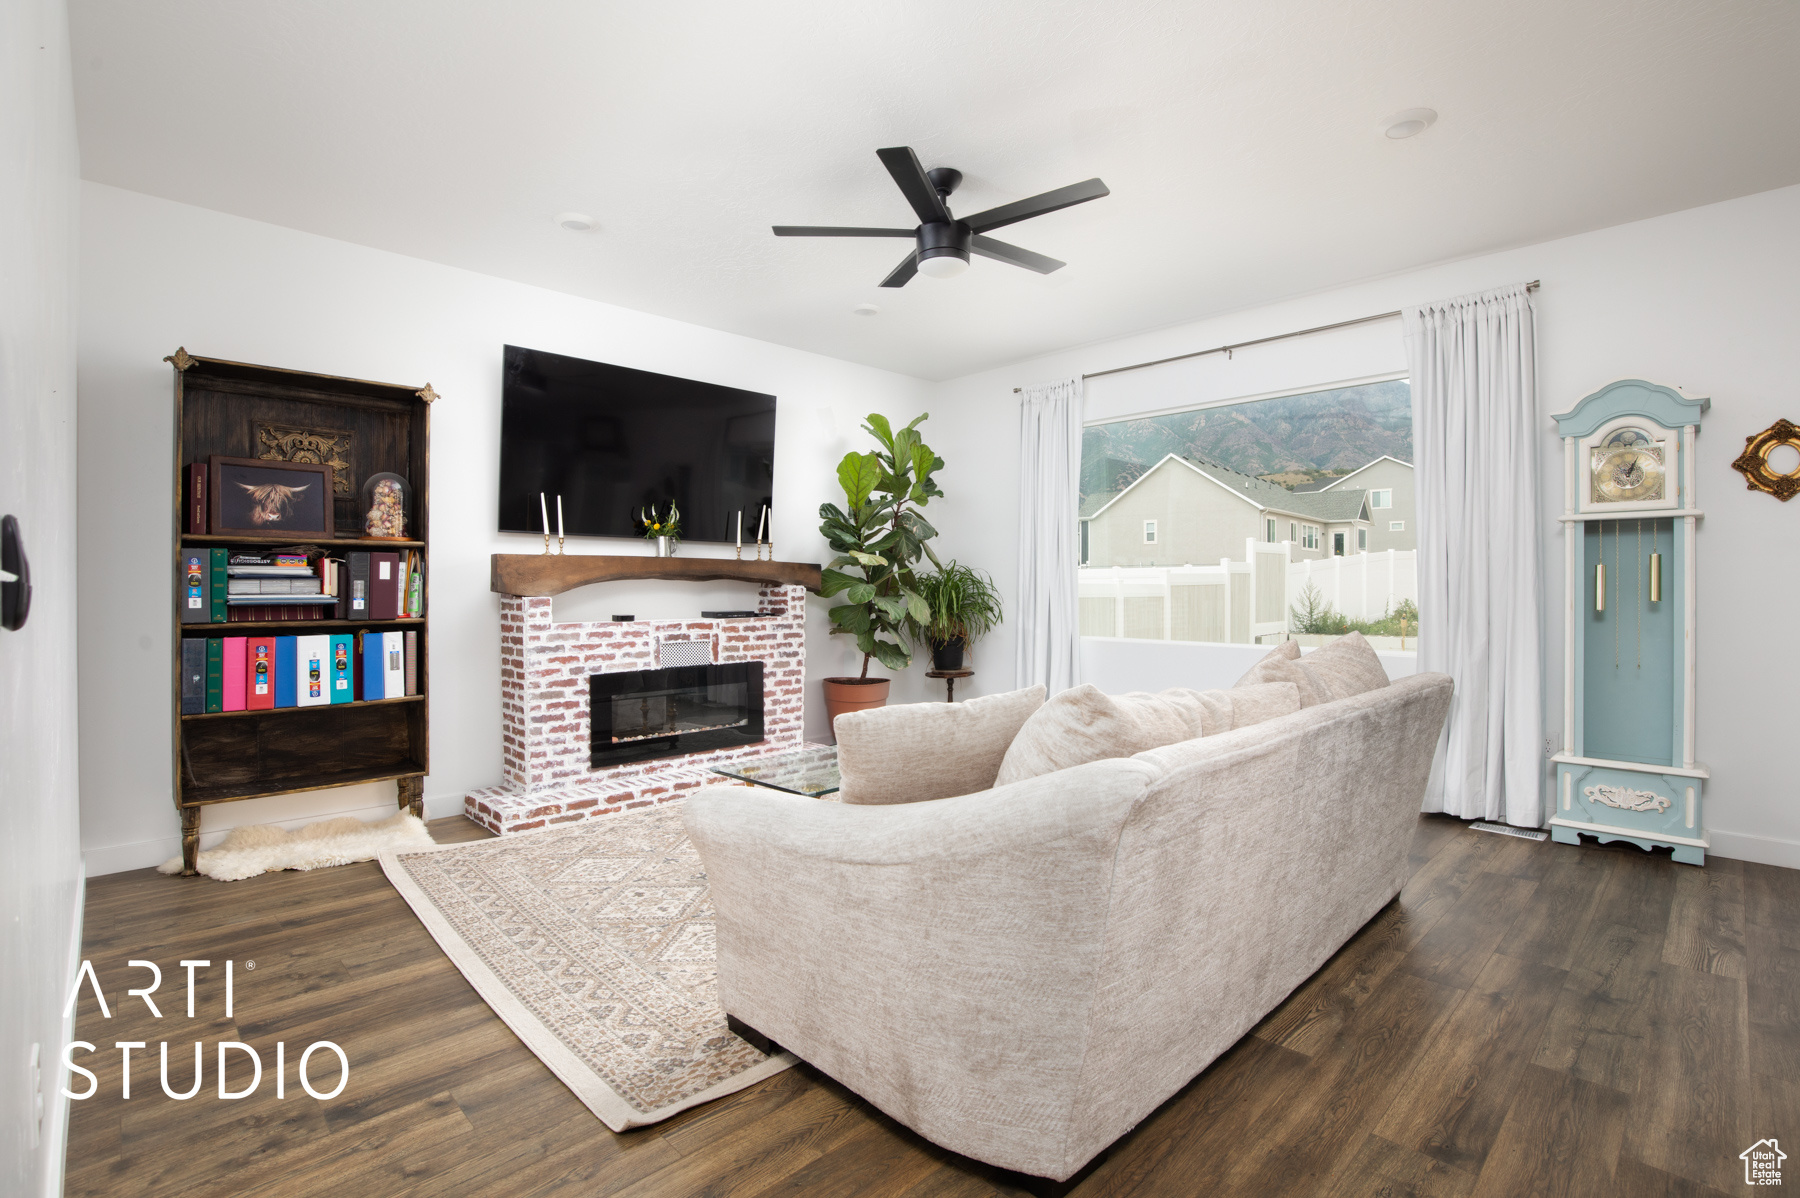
x=1283 y=665
x=918 y=751
x=1082 y=724
x=1347 y=666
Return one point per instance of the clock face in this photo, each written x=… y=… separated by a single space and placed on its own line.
x=1626 y=473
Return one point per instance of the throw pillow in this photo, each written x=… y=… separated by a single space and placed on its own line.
x=1082 y=724
x=1283 y=665
x=918 y=751
x=1077 y=726
x=1347 y=666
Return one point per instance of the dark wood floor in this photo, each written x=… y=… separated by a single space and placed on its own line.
x=1525 y=1019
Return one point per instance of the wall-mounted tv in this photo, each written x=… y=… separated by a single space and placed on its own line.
x=611 y=440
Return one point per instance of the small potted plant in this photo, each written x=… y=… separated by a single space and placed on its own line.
x=665 y=531
x=964 y=605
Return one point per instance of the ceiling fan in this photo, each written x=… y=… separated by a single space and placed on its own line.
x=943 y=242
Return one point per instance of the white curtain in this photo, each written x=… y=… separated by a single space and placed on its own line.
x=1046 y=613
x=1476 y=432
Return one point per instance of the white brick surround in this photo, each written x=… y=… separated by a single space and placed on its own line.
x=544 y=669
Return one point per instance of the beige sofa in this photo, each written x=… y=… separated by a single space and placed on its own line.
x=1022 y=974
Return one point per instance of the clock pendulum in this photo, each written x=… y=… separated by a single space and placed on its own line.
x=1655 y=567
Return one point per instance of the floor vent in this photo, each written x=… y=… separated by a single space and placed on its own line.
x=1509 y=830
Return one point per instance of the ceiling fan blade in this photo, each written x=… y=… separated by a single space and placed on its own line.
x=999 y=251
x=839 y=231
x=903 y=273
x=904 y=165
x=1050 y=201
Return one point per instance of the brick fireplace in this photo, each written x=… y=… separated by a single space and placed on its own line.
x=546 y=688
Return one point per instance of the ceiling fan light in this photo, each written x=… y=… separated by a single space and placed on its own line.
x=943 y=263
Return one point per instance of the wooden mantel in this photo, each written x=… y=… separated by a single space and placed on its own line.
x=554 y=573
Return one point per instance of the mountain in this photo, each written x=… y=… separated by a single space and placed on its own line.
x=1303 y=434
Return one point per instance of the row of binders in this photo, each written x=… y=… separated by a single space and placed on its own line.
x=255 y=673
x=234 y=586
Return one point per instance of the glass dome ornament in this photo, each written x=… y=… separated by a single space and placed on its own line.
x=386 y=499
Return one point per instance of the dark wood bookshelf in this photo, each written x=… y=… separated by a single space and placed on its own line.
x=221 y=757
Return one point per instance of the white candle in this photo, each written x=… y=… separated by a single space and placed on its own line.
x=740 y=528
x=761 y=520
x=544 y=511
x=559 y=532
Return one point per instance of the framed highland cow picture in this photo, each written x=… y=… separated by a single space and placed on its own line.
x=256 y=498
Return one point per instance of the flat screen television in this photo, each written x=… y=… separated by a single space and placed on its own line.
x=611 y=440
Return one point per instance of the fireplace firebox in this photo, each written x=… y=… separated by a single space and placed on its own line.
x=639 y=715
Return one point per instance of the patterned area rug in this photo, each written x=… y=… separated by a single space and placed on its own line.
x=595 y=944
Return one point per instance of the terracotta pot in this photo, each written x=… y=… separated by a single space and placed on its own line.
x=853 y=694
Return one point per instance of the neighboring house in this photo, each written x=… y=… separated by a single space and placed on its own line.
x=1185 y=511
x=1389 y=484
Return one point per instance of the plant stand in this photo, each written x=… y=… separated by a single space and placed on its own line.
x=949 y=677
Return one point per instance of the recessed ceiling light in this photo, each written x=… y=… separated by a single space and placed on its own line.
x=575 y=222
x=865 y=309
x=1408 y=123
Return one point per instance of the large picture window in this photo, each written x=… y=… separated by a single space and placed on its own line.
x=1184 y=513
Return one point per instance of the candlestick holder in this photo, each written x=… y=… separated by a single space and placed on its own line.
x=546 y=542
x=559 y=545
x=740 y=553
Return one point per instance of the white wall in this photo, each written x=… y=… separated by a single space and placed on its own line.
x=157 y=274
x=40 y=861
x=1704 y=300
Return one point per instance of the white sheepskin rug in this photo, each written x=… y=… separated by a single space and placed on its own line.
x=261 y=848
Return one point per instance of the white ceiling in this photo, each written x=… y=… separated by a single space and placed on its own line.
x=1239 y=140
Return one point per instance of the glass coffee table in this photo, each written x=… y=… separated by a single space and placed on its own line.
x=812 y=771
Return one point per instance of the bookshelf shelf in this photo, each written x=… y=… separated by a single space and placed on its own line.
x=204 y=630
x=286 y=711
x=191 y=538
x=235 y=410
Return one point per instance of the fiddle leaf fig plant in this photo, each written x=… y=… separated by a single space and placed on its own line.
x=879 y=536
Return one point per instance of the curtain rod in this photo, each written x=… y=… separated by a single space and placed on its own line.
x=1226 y=349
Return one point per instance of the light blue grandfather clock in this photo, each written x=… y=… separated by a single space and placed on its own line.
x=1627 y=768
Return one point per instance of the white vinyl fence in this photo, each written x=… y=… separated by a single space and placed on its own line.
x=1243 y=602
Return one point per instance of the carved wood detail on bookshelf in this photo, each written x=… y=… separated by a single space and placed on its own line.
x=552 y=574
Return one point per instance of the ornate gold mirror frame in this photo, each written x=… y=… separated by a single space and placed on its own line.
x=1753 y=463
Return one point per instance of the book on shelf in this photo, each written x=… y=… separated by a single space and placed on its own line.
x=193 y=585
x=276 y=613
x=312 y=683
x=215 y=674
x=259 y=674
x=374 y=673
x=195 y=497
x=307 y=584
x=286 y=680
x=412 y=662
x=216 y=580
x=356 y=603
x=343 y=667
x=234 y=673
x=193 y=675
x=393 y=662
x=384 y=586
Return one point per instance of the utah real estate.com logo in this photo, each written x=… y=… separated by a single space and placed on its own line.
x=1762 y=1163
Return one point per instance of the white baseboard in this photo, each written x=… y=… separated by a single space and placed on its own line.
x=55 y=1141
x=1764 y=850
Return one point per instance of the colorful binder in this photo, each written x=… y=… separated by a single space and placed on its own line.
x=233 y=693
x=285 y=693
x=312 y=674
x=358 y=607
x=215 y=674
x=193 y=675
x=373 y=673
x=343 y=667
x=259 y=673
x=193 y=585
